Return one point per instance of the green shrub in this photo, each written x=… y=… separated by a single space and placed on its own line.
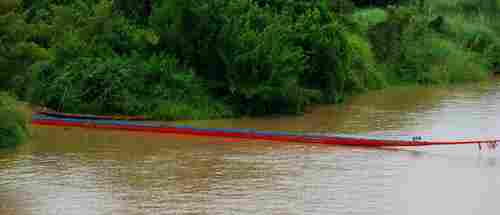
x=472 y=33
x=254 y=56
x=388 y=37
x=414 y=52
x=262 y=67
x=118 y=85
x=492 y=56
x=8 y=6
x=137 y=10
x=341 y=6
x=329 y=56
x=17 y=53
x=465 y=6
x=12 y=123
x=367 y=18
x=436 y=60
x=472 y=24
x=262 y=84
x=365 y=70
x=178 y=59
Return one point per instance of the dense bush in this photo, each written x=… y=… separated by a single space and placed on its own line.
x=472 y=25
x=329 y=56
x=418 y=49
x=436 y=60
x=12 y=124
x=341 y=6
x=388 y=36
x=176 y=59
x=492 y=57
x=261 y=66
x=127 y=85
x=17 y=52
x=7 y=6
x=366 y=73
x=470 y=32
x=367 y=18
x=263 y=58
x=135 y=9
x=475 y=7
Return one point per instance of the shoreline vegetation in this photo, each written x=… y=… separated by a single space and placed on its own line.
x=194 y=59
x=13 y=124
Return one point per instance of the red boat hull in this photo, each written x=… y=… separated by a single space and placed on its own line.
x=40 y=119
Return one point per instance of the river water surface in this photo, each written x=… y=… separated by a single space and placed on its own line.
x=82 y=172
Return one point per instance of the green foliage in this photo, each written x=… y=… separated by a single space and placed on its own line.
x=472 y=24
x=97 y=68
x=256 y=56
x=388 y=37
x=121 y=84
x=470 y=32
x=465 y=6
x=341 y=6
x=436 y=60
x=261 y=66
x=367 y=18
x=17 y=52
x=13 y=124
x=365 y=71
x=328 y=55
x=299 y=7
x=416 y=52
x=8 y=6
x=492 y=56
x=137 y=10
x=179 y=59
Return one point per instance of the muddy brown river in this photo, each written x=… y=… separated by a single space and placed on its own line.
x=65 y=171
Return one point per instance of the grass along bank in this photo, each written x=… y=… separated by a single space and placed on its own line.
x=429 y=43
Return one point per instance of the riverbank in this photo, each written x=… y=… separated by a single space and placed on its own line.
x=176 y=59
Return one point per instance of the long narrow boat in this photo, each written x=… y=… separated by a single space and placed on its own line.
x=89 y=116
x=65 y=120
